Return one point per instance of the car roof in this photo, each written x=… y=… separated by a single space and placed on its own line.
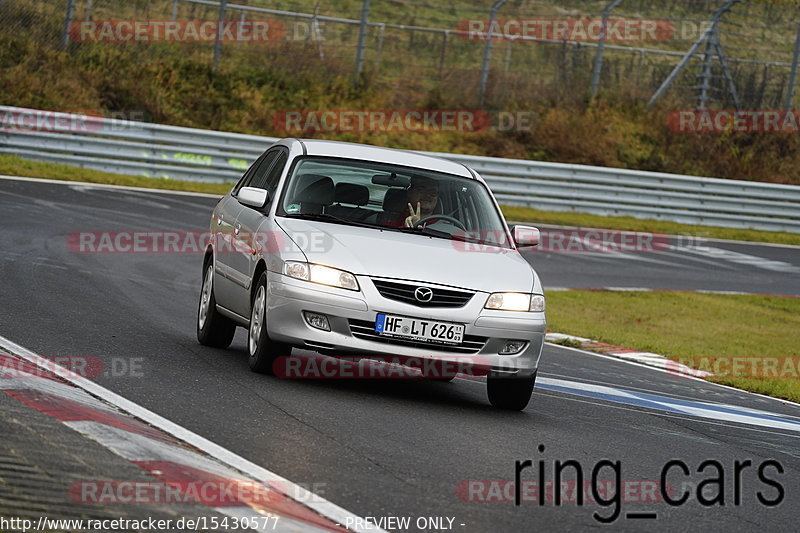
x=345 y=150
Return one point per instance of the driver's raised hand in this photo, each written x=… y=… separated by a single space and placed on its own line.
x=414 y=217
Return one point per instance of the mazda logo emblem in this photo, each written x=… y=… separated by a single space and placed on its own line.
x=423 y=294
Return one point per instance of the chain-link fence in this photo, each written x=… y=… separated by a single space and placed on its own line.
x=730 y=53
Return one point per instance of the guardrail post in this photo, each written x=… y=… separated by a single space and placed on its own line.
x=601 y=45
x=362 y=37
x=218 y=42
x=793 y=77
x=67 y=23
x=487 y=51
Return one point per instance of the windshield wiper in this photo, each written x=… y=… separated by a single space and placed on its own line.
x=325 y=217
x=425 y=230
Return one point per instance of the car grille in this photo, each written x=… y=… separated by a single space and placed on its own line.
x=364 y=329
x=404 y=292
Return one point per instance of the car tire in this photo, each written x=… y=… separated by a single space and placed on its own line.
x=510 y=393
x=263 y=350
x=213 y=329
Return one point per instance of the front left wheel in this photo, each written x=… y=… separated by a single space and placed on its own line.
x=264 y=352
x=510 y=393
x=213 y=329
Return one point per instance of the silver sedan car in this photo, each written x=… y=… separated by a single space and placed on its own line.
x=358 y=251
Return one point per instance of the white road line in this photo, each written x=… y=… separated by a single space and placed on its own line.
x=744 y=259
x=313 y=501
x=671 y=372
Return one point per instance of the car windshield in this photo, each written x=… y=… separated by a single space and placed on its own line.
x=385 y=196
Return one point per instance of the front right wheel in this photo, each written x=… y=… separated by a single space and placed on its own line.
x=512 y=393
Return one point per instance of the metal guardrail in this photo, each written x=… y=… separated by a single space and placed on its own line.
x=171 y=152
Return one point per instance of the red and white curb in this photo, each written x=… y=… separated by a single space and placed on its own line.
x=166 y=451
x=645 y=358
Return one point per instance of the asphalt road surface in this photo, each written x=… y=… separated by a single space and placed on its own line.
x=407 y=448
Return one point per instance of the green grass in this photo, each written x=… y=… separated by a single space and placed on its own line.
x=689 y=327
x=16 y=166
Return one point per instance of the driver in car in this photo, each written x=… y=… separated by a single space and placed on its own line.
x=423 y=196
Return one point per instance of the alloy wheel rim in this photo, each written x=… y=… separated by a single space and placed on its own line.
x=256 y=320
x=205 y=297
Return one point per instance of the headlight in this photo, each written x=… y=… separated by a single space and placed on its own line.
x=515 y=301
x=321 y=274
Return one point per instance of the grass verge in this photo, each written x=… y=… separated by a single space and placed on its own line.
x=712 y=331
x=16 y=166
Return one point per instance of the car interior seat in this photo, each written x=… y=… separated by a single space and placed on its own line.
x=354 y=196
x=314 y=193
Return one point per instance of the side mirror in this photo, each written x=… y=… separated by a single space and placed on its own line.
x=253 y=197
x=525 y=236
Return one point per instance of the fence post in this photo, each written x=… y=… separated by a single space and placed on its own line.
x=601 y=45
x=218 y=42
x=67 y=23
x=705 y=78
x=487 y=52
x=362 y=37
x=443 y=51
x=379 y=51
x=793 y=77
x=174 y=10
x=315 y=34
x=693 y=50
x=727 y=72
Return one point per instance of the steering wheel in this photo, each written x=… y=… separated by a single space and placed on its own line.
x=441 y=217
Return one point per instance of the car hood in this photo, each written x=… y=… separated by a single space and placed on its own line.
x=391 y=254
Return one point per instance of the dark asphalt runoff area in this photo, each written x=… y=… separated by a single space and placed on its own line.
x=410 y=448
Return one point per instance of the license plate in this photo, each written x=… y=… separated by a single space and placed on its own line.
x=419 y=330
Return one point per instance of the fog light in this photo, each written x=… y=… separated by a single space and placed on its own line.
x=512 y=347
x=315 y=320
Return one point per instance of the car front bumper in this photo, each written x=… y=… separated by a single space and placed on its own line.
x=351 y=316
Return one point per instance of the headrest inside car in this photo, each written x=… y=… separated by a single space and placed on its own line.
x=351 y=193
x=314 y=189
x=395 y=200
